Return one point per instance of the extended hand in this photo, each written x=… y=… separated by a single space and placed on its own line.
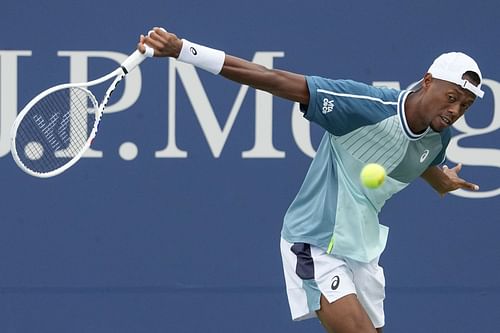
x=455 y=182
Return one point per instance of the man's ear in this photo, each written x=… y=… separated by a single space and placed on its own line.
x=426 y=82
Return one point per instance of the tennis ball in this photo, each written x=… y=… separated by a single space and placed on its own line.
x=372 y=175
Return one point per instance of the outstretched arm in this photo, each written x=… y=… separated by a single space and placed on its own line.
x=280 y=83
x=283 y=84
x=445 y=180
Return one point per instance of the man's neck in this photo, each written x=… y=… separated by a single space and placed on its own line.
x=413 y=113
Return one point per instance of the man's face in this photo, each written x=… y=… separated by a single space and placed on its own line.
x=446 y=102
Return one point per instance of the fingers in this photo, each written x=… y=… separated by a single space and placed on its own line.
x=158 y=34
x=155 y=39
x=461 y=183
x=469 y=186
x=157 y=31
x=458 y=182
x=458 y=167
x=155 y=44
x=164 y=43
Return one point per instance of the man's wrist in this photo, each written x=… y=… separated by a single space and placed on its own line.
x=206 y=58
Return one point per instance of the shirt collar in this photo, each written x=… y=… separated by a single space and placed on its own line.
x=402 y=117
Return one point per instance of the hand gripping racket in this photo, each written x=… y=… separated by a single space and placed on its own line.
x=56 y=127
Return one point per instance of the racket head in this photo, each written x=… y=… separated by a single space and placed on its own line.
x=54 y=130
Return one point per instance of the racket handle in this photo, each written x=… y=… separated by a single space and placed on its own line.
x=136 y=58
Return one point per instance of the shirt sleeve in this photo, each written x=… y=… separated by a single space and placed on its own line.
x=341 y=106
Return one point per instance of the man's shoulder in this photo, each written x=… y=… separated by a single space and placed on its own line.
x=353 y=89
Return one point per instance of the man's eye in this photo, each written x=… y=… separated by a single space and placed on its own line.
x=451 y=98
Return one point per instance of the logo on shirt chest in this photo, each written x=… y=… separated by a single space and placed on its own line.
x=424 y=156
x=327 y=106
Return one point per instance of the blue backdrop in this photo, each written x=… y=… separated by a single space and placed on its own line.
x=173 y=225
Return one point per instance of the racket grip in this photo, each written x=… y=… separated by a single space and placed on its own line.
x=136 y=58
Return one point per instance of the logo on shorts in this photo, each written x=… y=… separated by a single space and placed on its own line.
x=335 y=282
x=193 y=50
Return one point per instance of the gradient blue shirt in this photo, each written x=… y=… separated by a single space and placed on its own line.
x=364 y=124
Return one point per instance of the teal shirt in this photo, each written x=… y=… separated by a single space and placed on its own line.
x=363 y=124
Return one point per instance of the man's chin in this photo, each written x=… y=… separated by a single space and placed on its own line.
x=437 y=128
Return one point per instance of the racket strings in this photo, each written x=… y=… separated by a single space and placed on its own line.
x=56 y=129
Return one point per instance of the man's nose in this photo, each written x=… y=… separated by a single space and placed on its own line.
x=454 y=109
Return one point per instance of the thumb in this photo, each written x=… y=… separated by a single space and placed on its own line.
x=140 y=45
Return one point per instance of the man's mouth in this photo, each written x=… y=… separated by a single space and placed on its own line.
x=446 y=120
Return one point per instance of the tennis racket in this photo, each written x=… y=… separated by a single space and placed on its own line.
x=53 y=131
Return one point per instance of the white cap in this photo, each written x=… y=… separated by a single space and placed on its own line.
x=452 y=66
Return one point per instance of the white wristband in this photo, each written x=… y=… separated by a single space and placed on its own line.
x=201 y=56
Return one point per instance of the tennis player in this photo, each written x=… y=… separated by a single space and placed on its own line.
x=331 y=239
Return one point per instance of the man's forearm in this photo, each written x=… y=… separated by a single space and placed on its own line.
x=437 y=179
x=284 y=84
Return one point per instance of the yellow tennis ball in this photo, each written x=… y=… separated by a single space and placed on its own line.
x=372 y=175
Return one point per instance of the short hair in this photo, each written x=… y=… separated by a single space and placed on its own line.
x=473 y=77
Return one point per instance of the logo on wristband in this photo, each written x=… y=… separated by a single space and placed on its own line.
x=193 y=51
x=335 y=282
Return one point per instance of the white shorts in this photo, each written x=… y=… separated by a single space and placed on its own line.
x=311 y=272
